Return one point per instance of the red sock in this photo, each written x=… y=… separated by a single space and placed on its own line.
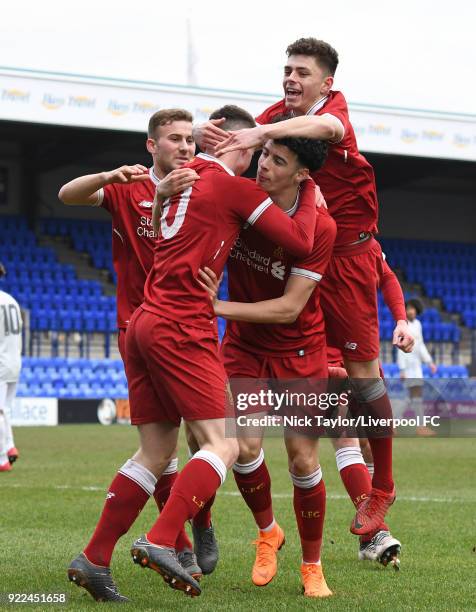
x=161 y=495
x=255 y=487
x=203 y=518
x=357 y=482
x=380 y=442
x=124 y=501
x=310 y=509
x=196 y=483
x=162 y=489
x=382 y=452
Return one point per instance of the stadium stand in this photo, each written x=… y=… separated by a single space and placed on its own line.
x=446 y=271
x=91 y=378
x=60 y=302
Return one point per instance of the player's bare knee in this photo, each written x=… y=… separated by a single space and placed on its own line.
x=226 y=450
x=302 y=464
x=338 y=443
x=155 y=462
x=249 y=450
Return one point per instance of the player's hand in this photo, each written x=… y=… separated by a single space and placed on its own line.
x=433 y=368
x=249 y=138
x=210 y=283
x=127 y=174
x=176 y=181
x=320 y=201
x=337 y=372
x=209 y=134
x=402 y=375
x=402 y=338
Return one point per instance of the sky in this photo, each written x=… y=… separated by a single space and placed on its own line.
x=412 y=53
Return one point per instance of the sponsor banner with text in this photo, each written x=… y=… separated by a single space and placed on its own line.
x=28 y=411
x=80 y=101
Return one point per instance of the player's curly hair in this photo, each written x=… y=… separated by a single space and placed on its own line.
x=311 y=153
x=326 y=56
x=166 y=116
x=236 y=118
x=416 y=304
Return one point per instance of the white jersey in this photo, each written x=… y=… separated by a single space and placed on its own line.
x=411 y=363
x=10 y=338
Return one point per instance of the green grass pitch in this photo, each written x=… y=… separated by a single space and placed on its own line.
x=51 y=500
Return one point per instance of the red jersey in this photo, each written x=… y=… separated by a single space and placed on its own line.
x=198 y=228
x=133 y=240
x=258 y=269
x=347 y=179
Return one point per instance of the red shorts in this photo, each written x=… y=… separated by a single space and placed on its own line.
x=173 y=371
x=121 y=342
x=296 y=374
x=349 y=300
x=241 y=363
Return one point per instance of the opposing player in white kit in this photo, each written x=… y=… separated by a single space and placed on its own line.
x=410 y=365
x=10 y=365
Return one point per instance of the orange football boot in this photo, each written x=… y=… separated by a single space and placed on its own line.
x=313 y=581
x=266 y=562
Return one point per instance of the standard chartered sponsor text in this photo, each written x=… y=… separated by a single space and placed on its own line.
x=145 y=230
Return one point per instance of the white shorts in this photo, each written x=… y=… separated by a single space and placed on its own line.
x=414 y=375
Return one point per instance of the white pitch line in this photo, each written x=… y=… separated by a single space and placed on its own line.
x=406 y=498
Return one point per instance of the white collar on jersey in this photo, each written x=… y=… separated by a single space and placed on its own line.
x=315 y=107
x=217 y=161
x=294 y=207
x=153 y=176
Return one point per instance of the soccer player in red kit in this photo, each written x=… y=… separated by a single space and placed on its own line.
x=127 y=194
x=269 y=286
x=172 y=361
x=348 y=293
x=354 y=456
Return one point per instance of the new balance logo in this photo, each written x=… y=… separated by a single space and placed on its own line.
x=145 y=204
x=110 y=495
x=350 y=345
x=278 y=270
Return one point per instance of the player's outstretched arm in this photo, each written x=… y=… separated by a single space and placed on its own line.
x=84 y=189
x=284 y=309
x=321 y=127
x=393 y=297
x=295 y=234
x=247 y=202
